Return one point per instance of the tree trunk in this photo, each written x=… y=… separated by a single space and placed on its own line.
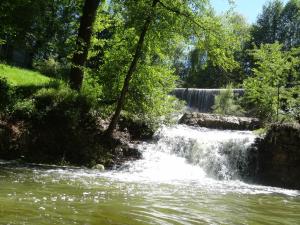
x=130 y=72
x=83 y=42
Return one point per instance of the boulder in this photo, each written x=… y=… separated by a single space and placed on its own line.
x=138 y=129
x=219 y=121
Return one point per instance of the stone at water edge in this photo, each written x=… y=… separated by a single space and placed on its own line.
x=278 y=157
x=99 y=167
x=215 y=121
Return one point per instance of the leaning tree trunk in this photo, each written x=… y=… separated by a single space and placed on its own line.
x=83 y=42
x=130 y=72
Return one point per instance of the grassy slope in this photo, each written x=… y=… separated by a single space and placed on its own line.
x=22 y=77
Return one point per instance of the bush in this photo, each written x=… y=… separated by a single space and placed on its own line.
x=226 y=104
x=51 y=67
x=61 y=126
x=57 y=98
x=290 y=104
x=6 y=94
x=92 y=90
x=22 y=109
x=63 y=101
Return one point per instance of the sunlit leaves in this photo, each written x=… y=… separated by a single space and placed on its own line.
x=173 y=23
x=274 y=81
x=215 y=60
x=278 y=22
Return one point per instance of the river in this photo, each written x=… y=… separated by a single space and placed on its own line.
x=186 y=176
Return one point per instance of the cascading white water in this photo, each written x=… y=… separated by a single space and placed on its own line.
x=219 y=153
x=182 y=153
x=201 y=100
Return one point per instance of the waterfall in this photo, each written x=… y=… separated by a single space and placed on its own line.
x=186 y=154
x=201 y=99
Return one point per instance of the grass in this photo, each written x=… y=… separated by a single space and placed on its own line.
x=22 y=77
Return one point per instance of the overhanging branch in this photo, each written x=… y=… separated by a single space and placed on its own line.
x=179 y=12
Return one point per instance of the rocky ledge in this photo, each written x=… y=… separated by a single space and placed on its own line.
x=278 y=157
x=220 y=122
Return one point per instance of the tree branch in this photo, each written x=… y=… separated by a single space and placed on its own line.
x=178 y=12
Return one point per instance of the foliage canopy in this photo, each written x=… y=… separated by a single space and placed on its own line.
x=273 y=87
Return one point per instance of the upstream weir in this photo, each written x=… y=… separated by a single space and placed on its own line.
x=201 y=100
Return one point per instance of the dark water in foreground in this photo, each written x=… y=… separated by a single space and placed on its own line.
x=162 y=188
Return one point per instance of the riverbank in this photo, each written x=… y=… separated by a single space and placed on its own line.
x=52 y=124
x=55 y=139
x=54 y=142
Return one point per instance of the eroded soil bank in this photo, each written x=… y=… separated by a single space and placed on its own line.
x=55 y=142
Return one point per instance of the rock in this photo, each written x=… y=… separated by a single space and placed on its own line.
x=138 y=130
x=123 y=153
x=11 y=137
x=220 y=122
x=131 y=152
x=118 y=149
x=278 y=157
x=99 y=167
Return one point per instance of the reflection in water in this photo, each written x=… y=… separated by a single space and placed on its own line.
x=185 y=177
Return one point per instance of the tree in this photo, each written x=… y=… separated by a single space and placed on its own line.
x=83 y=42
x=42 y=28
x=16 y=19
x=269 y=85
x=131 y=70
x=209 y=68
x=147 y=98
x=280 y=23
x=160 y=25
x=268 y=26
x=277 y=23
x=290 y=24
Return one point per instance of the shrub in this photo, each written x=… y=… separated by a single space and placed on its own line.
x=290 y=104
x=92 y=91
x=57 y=99
x=61 y=126
x=64 y=101
x=51 y=67
x=6 y=94
x=226 y=104
x=22 y=109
